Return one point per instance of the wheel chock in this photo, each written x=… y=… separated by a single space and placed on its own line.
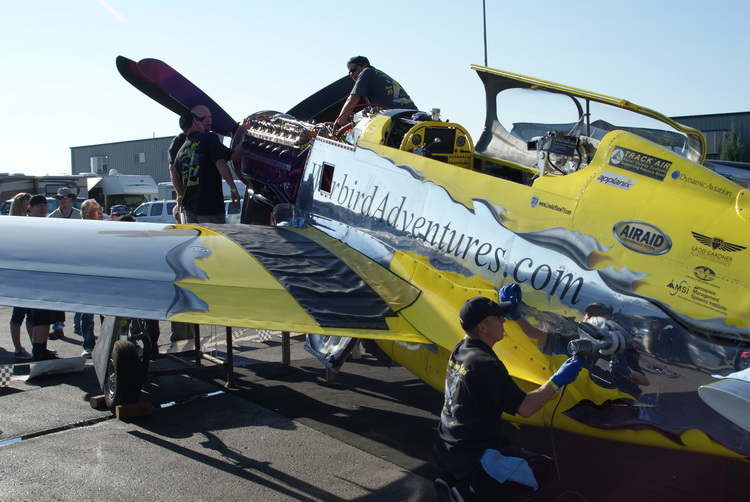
x=98 y=402
x=123 y=411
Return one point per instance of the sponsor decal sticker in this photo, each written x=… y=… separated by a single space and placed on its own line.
x=535 y=202
x=615 y=180
x=640 y=163
x=717 y=243
x=678 y=176
x=642 y=237
x=711 y=249
x=704 y=274
x=714 y=249
x=699 y=295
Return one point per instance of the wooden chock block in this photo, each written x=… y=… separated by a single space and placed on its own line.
x=123 y=411
x=98 y=402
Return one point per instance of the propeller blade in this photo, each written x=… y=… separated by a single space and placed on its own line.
x=325 y=105
x=130 y=72
x=173 y=83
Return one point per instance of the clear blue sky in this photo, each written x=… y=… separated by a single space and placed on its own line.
x=61 y=88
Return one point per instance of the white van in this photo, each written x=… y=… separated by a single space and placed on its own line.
x=158 y=211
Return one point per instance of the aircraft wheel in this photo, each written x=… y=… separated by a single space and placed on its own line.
x=123 y=378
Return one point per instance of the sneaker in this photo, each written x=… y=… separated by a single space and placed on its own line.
x=22 y=355
x=86 y=353
x=56 y=334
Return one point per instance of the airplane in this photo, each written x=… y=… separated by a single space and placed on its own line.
x=380 y=231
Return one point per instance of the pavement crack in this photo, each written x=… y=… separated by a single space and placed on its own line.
x=53 y=430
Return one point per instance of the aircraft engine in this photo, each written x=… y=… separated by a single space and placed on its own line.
x=274 y=151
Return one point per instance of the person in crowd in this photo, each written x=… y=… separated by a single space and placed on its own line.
x=41 y=319
x=65 y=209
x=117 y=212
x=65 y=199
x=19 y=206
x=91 y=210
x=16 y=320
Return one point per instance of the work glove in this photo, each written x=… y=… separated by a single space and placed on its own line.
x=620 y=366
x=512 y=293
x=567 y=372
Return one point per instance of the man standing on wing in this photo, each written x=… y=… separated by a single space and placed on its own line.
x=373 y=87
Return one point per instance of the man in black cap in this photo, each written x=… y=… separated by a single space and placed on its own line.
x=471 y=448
x=373 y=87
x=37 y=206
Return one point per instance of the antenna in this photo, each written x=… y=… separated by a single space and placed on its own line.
x=484 y=21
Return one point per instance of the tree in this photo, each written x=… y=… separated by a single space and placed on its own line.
x=731 y=146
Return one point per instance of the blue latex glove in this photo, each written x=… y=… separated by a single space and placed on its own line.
x=512 y=293
x=567 y=372
x=620 y=366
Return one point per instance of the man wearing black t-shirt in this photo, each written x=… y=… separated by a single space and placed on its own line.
x=201 y=165
x=373 y=87
x=471 y=448
x=204 y=115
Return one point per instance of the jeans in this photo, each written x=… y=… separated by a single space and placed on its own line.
x=87 y=331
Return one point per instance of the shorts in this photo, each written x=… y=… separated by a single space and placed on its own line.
x=40 y=317
x=16 y=318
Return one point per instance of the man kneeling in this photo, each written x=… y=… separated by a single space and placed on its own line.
x=478 y=389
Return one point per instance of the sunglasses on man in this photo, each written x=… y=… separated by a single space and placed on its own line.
x=58 y=197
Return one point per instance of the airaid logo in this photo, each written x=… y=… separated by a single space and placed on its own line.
x=642 y=237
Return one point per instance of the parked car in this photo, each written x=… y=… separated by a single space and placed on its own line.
x=158 y=211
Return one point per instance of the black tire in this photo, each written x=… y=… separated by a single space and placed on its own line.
x=122 y=383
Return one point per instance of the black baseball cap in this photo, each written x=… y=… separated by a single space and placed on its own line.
x=37 y=199
x=478 y=309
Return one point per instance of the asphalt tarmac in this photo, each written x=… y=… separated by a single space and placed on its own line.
x=282 y=433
